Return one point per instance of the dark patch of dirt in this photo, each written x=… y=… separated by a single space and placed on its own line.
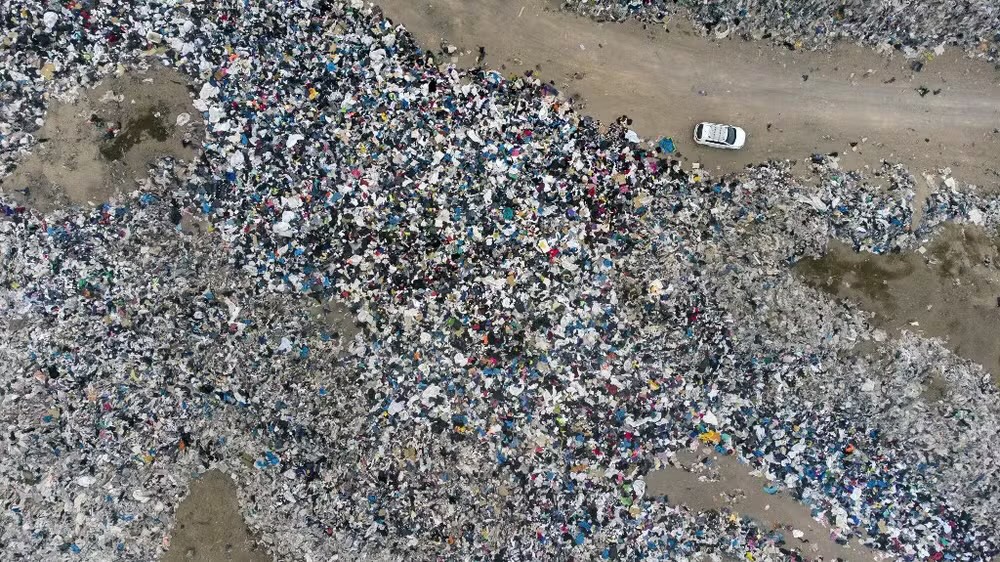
x=148 y=125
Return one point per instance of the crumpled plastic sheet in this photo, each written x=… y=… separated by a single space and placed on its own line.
x=548 y=314
x=914 y=27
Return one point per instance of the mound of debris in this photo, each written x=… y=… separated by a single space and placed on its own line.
x=914 y=27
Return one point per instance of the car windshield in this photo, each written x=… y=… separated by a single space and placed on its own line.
x=731 y=137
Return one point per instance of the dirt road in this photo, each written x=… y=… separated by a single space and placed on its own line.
x=792 y=103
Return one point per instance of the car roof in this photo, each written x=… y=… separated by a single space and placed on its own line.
x=715 y=132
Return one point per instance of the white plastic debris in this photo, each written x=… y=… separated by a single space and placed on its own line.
x=208 y=91
x=49 y=20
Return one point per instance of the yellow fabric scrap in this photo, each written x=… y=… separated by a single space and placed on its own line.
x=710 y=437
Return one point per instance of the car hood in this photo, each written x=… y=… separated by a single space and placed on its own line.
x=741 y=137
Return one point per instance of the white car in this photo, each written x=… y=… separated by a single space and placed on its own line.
x=720 y=136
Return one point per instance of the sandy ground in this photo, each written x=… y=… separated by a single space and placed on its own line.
x=792 y=103
x=706 y=482
x=338 y=320
x=951 y=290
x=209 y=527
x=78 y=161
